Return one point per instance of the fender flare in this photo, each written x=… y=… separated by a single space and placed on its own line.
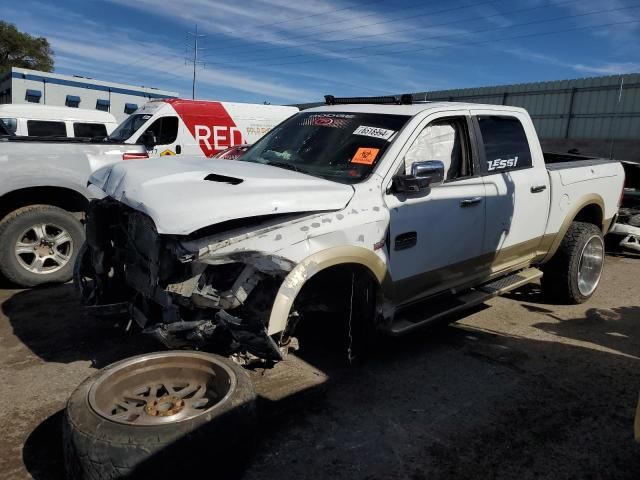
x=319 y=261
x=591 y=199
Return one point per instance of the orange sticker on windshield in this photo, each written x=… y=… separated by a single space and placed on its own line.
x=365 y=156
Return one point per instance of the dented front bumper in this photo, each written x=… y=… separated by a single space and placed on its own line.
x=183 y=299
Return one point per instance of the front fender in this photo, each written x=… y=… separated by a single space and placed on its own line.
x=315 y=263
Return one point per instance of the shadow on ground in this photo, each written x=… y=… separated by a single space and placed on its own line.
x=531 y=292
x=52 y=324
x=42 y=452
x=613 y=328
x=447 y=402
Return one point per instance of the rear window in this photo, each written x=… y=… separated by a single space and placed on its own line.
x=41 y=128
x=505 y=144
x=89 y=130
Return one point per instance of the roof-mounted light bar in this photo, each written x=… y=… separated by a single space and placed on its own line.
x=404 y=99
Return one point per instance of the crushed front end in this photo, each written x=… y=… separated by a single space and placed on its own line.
x=218 y=303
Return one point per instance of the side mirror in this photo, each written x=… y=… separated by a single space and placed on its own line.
x=423 y=175
x=148 y=139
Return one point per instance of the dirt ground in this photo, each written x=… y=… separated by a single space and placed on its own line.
x=518 y=389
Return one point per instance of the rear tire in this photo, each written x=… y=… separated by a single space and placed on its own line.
x=573 y=274
x=160 y=438
x=39 y=244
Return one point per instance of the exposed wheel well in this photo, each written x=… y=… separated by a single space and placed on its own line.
x=60 y=197
x=591 y=213
x=333 y=282
x=335 y=293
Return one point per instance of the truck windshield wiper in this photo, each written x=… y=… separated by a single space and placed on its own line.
x=288 y=166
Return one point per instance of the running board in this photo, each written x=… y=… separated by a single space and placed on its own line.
x=414 y=317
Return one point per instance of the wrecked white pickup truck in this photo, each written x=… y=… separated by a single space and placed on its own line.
x=386 y=216
x=398 y=214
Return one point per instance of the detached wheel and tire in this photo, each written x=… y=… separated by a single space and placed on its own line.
x=39 y=244
x=574 y=272
x=160 y=415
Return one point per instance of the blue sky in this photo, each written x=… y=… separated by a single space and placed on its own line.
x=285 y=51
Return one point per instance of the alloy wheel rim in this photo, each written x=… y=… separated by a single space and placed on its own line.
x=590 y=266
x=161 y=388
x=44 y=248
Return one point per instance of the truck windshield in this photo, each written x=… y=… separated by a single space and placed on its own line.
x=130 y=126
x=344 y=147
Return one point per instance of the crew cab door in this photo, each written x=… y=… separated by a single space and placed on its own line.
x=436 y=235
x=517 y=186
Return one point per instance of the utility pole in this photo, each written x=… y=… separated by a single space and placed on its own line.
x=195 y=36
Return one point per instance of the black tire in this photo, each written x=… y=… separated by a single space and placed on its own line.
x=560 y=279
x=219 y=441
x=14 y=225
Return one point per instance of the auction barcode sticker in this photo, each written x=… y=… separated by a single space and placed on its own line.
x=374 y=132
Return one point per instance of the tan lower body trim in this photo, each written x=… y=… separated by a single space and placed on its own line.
x=466 y=273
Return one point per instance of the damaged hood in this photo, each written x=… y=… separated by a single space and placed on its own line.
x=186 y=194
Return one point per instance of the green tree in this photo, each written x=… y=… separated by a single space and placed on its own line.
x=18 y=49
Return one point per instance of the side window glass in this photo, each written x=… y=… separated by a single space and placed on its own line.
x=11 y=124
x=165 y=129
x=40 y=128
x=505 y=144
x=444 y=140
x=90 y=130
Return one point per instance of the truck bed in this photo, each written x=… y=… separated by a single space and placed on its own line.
x=557 y=161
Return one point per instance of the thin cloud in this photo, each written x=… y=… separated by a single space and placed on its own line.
x=74 y=49
x=617 y=34
x=253 y=22
x=607 y=68
x=93 y=49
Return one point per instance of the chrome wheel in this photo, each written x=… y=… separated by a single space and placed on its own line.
x=161 y=388
x=44 y=248
x=590 y=266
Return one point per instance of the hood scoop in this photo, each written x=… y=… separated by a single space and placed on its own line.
x=214 y=177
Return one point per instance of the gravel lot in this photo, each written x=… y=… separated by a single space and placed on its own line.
x=518 y=389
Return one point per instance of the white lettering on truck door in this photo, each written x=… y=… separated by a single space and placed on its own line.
x=219 y=138
x=232 y=136
x=203 y=134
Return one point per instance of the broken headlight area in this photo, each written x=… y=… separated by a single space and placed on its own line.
x=218 y=303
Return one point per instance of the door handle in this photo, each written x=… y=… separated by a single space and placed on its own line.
x=538 y=188
x=406 y=240
x=467 y=202
x=178 y=149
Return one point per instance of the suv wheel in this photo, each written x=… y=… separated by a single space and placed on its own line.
x=39 y=244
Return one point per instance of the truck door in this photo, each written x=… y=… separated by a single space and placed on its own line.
x=517 y=186
x=165 y=130
x=436 y=236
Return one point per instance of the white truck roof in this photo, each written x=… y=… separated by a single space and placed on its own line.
x=50 y=112
x=412 y=109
